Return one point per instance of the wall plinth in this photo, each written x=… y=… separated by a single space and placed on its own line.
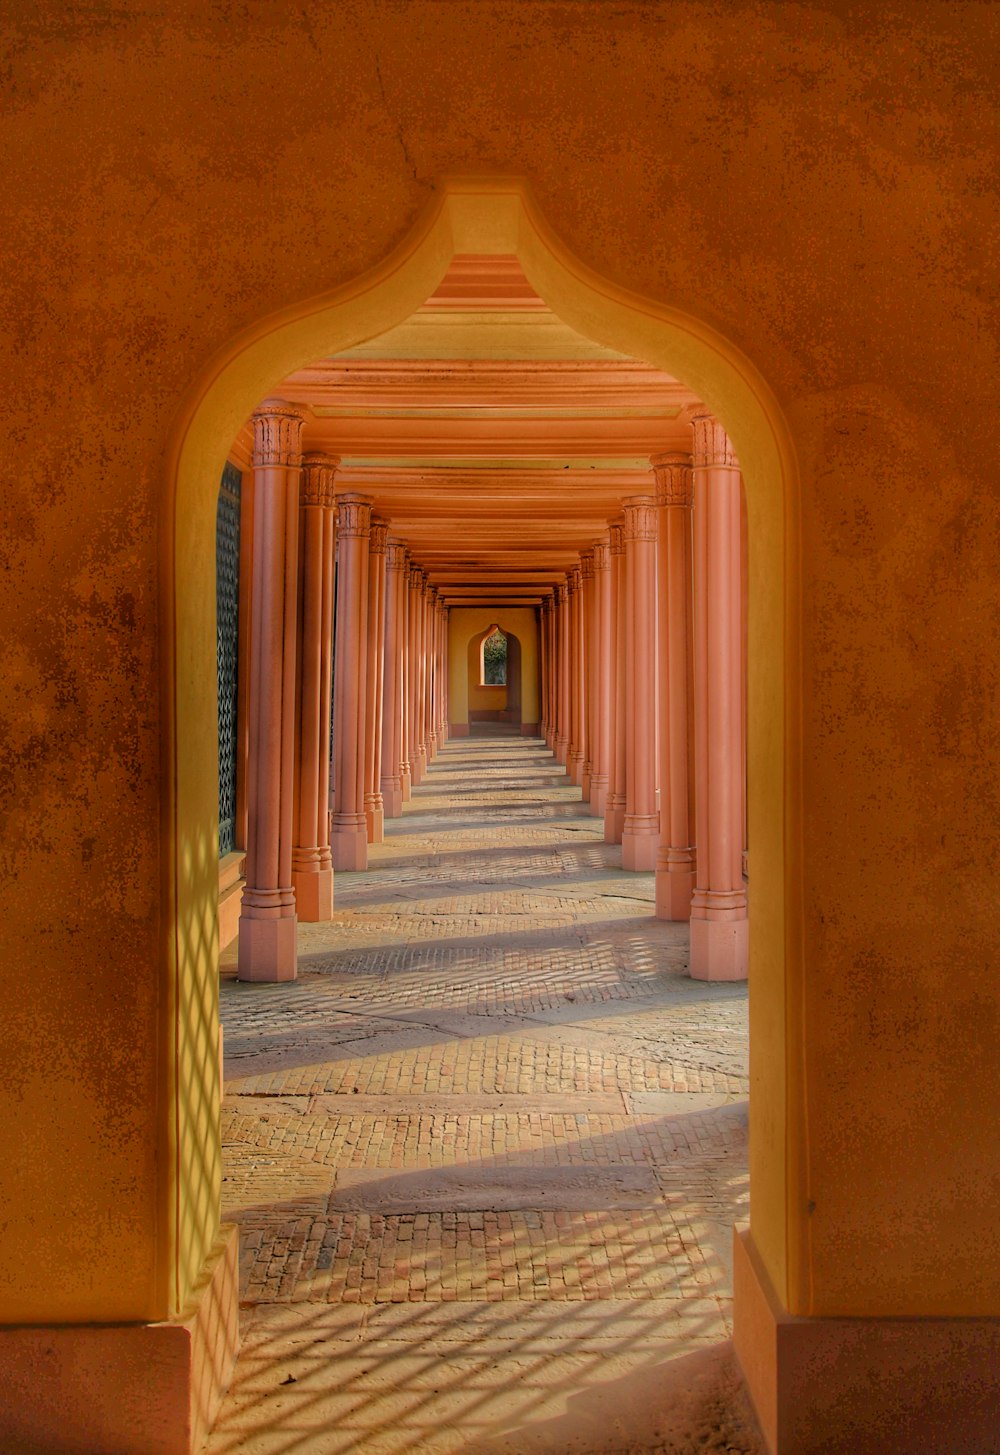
x=349 y=837
x=135 y=1389
x=863 y=1386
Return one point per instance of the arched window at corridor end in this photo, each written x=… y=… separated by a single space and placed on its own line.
x=493 y=659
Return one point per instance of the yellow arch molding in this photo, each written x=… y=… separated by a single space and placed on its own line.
x=472 y=215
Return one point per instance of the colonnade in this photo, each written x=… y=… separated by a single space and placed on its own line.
x=643 y=686
x=347 y=700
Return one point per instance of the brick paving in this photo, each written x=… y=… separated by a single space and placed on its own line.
x=492 y=1087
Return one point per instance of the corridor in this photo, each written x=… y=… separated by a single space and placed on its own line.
x=487 y=1150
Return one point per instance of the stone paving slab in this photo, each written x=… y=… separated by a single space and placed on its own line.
x=505 y=1188
x=491 y=1255
x=413 y=1105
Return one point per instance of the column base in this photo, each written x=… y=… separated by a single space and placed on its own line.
x=614 y=821
x=561 y=749
x=375 y=821
x=405 y=784
x=422 y=765
x=268 y=948
x=135 y=1389
x=585 y=783
x=640 y=842
x=674 y=884
x=313 y=894
x=598 y=794
x=349 y=843
x=392 y=797
x=719 y=948
x=863 y=1386
x=574 y=767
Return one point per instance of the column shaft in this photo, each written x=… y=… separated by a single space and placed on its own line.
x=601 y=692
x=375 y=647
x=312 y=863
x=719 y=930
x=563 y=674
x=392 y=689
x=418 y=762
x=614 y=812
x=675 y=856
x=267 y=929
x=350 y=830
x=641 y=829
x=406 y=716
x=575 y=754
x=586 y=668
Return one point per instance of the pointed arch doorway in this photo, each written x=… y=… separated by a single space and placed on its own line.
x=468 y=217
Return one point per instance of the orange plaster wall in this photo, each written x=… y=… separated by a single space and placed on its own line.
x=465 y=626
x=814 y=181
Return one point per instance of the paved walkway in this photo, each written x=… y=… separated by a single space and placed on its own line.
x=486 y=1152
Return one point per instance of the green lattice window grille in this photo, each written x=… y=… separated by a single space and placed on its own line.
x=495 y=659
x=227 y=623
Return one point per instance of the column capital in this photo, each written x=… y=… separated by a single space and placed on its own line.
x=602 y=556
x=674 y=485
x=354 y=514
x=616 y=537
x=640 y=518
x=562 y=593
x=378 y=536
x=573 y=580
x=395 y=555
x=277 y=433
x=415 y=578
x=587 y=565
x=318 y=472
x=711 y=446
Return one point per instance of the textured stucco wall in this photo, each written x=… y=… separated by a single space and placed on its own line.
x=464 y=691
x=816 y=181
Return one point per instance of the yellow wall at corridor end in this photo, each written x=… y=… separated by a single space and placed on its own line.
x=466 y=622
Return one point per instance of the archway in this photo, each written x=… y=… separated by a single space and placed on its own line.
x=470 y=216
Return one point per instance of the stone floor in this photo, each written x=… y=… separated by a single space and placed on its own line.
x=487 y=1151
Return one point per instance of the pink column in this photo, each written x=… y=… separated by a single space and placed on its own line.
x=719 y=929
x=418 y=759
x=267 y=929
x=405 y=765
x=546 y=666
x=350 y=830
x=422 y=676
x=614 y=812
x=312 y=864
x=375 y=645
x=641 y=831
x=443 y=657
x=601 y=677
x=392 y=689
x=675 y=857
x=433 y=671
x=562 y=673
x=587 y=673
x=576 y=754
